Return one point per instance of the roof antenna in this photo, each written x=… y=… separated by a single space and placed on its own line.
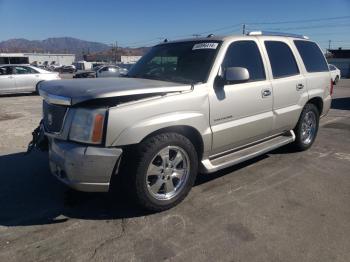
x=210 y=35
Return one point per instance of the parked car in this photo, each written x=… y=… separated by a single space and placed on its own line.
x=335 y=73
x=102 y=71
x=190 y=106
x=23 y=78
x=55 y=67
x=68 y=69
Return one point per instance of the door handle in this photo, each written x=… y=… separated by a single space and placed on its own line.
x=266 y=93
x=299 y=87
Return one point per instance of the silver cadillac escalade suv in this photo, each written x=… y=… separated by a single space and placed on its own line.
x=187 y=107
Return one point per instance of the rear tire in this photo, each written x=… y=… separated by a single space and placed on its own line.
x=306 y=128
x=160 y=171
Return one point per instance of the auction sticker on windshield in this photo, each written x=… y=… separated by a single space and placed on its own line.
x=205 y=46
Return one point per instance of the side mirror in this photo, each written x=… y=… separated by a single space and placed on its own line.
x=234 y=75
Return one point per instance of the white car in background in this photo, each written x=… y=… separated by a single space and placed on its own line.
x=23 y=78
x=110 y=71
x=102 y=71
x=335 y=73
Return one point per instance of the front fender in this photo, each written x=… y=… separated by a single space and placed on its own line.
x=136 y=133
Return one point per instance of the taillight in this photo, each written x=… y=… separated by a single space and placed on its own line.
x=331 y=89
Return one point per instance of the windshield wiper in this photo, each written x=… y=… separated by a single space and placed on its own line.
x=145 y=76
x=183 y=80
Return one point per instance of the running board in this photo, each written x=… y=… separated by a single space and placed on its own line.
x=214 y=164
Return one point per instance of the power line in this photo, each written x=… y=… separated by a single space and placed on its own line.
x=301 y=21
x=310 y=27
x=141 y=42
x=237 y=26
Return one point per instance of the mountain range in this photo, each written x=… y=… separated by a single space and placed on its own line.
x=63 y=45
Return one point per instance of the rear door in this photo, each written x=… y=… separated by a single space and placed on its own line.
x=318 y=77
x=7 y=81
x=288 y=83
x=241 y=113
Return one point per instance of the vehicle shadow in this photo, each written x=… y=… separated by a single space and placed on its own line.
x=341 y=103
x=30 y=195
x=17 y=95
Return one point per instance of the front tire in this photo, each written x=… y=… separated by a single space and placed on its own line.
x=164 y=173
x=306 y=128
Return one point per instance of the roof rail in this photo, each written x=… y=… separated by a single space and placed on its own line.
x=252 y=33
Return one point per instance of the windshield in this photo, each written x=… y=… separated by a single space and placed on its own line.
x=184 y=62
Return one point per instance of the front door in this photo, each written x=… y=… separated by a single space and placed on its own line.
x=241 y=113
x=7 y=81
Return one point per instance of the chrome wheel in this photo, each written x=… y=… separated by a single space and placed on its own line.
x=168 y=172
x=308 y=127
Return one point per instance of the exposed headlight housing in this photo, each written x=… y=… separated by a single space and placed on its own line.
x=87 y=125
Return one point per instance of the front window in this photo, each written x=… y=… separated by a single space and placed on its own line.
x=23 y=70
x=183 y=62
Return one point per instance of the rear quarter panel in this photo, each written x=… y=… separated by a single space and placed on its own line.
x=318 y=84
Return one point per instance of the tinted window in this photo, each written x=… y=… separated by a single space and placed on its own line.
x=32 y=70
x=312 y=56
x=246 y=54
x=21 y=70
x=282 y=59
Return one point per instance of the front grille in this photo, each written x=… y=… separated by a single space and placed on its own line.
x=53 y=117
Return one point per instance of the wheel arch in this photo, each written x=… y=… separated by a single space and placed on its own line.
x=318 y=102
x=188 y=131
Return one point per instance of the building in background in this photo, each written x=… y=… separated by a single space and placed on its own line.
x=128 y=59
x=37 y=58
x=341 y=59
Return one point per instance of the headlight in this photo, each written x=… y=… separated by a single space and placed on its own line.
x=87 y=125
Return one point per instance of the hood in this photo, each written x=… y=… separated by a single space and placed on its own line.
x=72 y=92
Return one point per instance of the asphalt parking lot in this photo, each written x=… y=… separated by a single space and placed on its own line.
x=282 y=206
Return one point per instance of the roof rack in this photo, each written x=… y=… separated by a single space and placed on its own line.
x=267 y=33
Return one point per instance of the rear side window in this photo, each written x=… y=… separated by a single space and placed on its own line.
x=312 y=56
x=246 y=54
x=282 y=60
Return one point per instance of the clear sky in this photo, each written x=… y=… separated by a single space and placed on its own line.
x=139 y=23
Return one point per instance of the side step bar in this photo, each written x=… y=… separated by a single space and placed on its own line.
x=214 y=164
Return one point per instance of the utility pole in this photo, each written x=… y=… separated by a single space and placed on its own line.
x=116 y=51
x=243 y=29
x=329 y=44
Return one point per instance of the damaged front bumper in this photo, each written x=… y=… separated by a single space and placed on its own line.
x=82 y=167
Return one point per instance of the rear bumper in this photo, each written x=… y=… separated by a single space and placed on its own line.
x=84 y=168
